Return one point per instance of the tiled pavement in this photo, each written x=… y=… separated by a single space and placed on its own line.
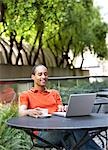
x=99 y=142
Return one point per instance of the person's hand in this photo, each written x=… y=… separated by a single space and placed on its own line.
x=36 y=112
x=62 y=108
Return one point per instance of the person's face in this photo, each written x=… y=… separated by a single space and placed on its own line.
x=41 y=76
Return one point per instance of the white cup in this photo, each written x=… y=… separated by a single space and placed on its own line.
x=44 y=111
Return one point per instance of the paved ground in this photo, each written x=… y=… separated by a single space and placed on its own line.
x=99 y=140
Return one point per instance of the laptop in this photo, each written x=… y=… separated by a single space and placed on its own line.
x=79 y=105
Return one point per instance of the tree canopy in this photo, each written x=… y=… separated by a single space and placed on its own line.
x=48 y=30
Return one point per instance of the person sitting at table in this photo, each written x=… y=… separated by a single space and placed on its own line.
x=31 y=102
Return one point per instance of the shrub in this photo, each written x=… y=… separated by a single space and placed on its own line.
x=10 y=138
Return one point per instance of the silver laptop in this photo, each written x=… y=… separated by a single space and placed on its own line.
x=79 y=105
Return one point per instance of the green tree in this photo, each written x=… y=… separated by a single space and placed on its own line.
x=51 y=29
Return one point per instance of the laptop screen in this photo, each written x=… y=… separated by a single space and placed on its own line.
x=80 y=104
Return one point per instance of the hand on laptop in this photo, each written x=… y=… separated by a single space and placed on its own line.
x=62 y=108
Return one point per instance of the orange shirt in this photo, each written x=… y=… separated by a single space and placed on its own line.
x=33 y=98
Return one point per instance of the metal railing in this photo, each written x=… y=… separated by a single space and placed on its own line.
x=66 y=85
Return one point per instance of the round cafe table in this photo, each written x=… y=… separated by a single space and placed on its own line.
x=95 y=121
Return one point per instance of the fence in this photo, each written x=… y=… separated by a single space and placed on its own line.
x=65 y=85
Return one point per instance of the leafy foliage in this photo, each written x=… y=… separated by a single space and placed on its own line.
x=81 y=87
x=59 y=26
x=10 y=138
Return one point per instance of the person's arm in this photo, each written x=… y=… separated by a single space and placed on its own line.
x=23 y=107
x=58 y=98
x=23 y=111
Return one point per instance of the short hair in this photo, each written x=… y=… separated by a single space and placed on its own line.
x=34 y=68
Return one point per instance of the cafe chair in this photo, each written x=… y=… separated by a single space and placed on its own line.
x=49 y=145
x=46 y=147
x=102 y=137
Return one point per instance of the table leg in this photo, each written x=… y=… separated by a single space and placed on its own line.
x=81 y=142
x=99 y=108
x=50 y=145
